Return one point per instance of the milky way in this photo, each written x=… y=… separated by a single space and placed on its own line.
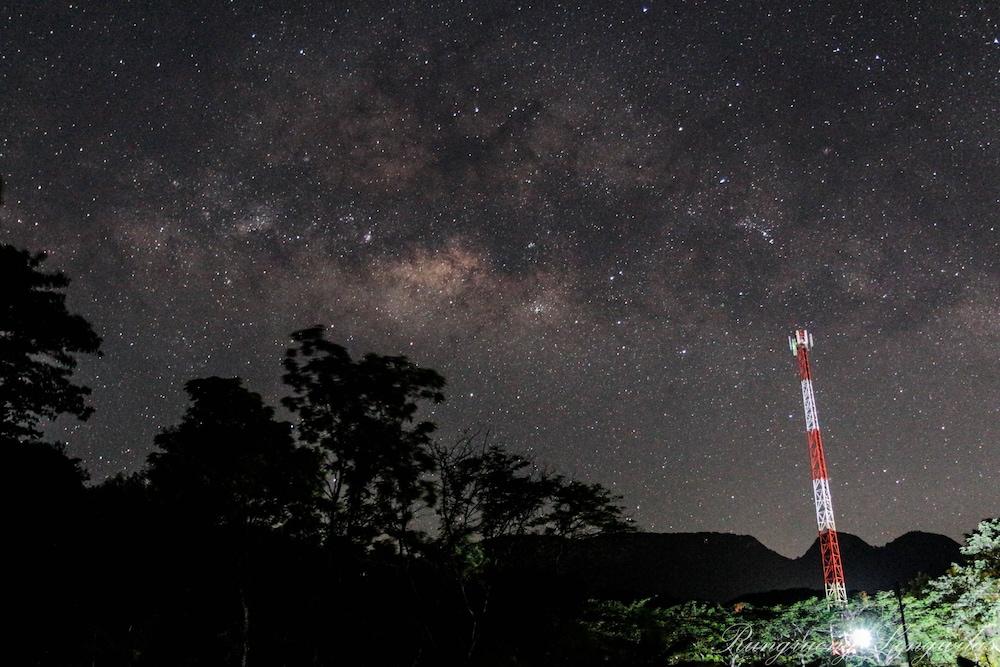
x=598 y=222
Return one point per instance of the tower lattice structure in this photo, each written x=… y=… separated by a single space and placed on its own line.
x=829 y=545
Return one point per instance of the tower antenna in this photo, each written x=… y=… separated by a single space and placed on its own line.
x=829 y=545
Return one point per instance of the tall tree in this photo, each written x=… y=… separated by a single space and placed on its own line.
x=39 y=343
x=363 y=416
x=43 y=493
x=233 y=471
x=230 y=463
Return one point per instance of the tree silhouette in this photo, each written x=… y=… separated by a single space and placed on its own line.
x=486 y=491
x=44 y=527
x=234 y=472
x=229 y=463
x=580 y=509
x=485 y=494
x=43 y=492
x=363 y=416
x=514 y=494
x=39 y=341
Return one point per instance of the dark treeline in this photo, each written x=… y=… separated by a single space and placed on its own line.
x=349 y=534
x=346 y=535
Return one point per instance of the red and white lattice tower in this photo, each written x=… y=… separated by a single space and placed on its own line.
x=829 y=545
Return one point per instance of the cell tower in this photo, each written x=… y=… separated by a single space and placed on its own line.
x=829 y=545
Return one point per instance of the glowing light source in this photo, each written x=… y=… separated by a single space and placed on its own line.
x=860 y=638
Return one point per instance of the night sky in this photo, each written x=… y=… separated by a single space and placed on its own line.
x=599 y=222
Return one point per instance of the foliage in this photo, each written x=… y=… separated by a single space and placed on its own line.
x=971 y=594
x=362 y=414
x=626 y=632
x=486 y=492
x=797 y=633
x=512 y=493
x=39 y=343
x=230 y=463
x=950 y=618
x=580 y=509
x=697 y=632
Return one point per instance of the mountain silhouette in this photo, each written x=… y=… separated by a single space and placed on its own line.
x=719 y=567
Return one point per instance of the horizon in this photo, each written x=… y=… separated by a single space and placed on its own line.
x=472 y=332
x=879 y=545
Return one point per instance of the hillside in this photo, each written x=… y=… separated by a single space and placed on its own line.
x=719 y=566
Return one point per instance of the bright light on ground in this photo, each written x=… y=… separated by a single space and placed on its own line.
x=861 y=638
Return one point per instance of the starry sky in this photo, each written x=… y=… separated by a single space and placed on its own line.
x=599 y=221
